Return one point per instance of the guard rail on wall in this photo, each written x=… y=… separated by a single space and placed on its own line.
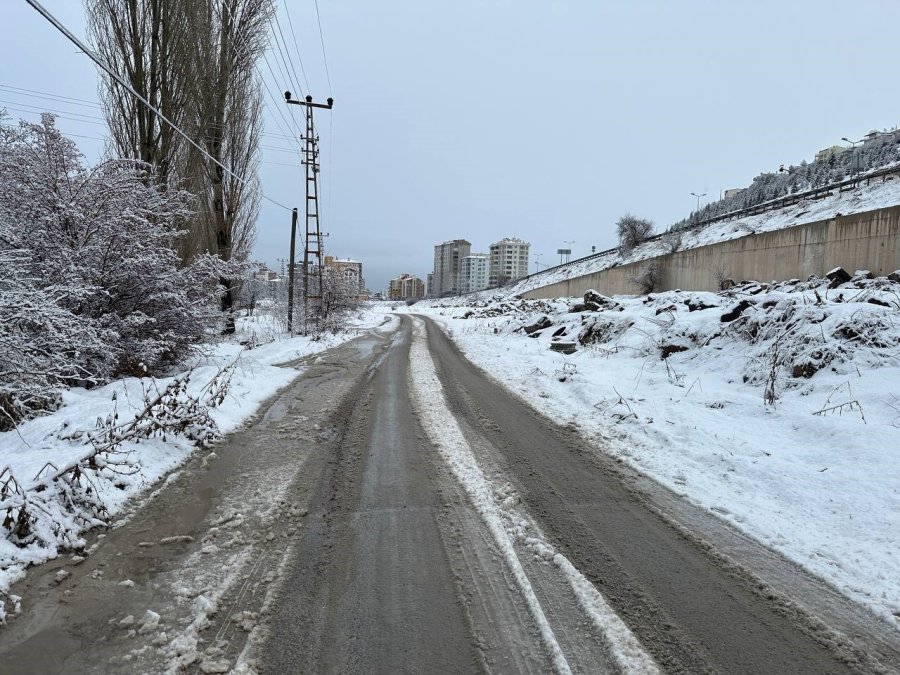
x=771 y=205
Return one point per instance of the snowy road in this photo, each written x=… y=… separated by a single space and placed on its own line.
x=394 y=510
x=459 y=531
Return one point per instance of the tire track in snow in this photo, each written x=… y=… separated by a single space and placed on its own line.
x=506 y=526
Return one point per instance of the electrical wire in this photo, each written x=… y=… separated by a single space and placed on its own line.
x=296 y=46
x=288 y=52
x=322 y=40
x=45 y=109
x=284 y=71
x=285 y=76
x=48 y=95
x=293 y=120
x=63 y=114
x=60 y=116
x=102 y=64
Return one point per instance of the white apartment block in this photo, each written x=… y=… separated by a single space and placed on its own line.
x=509 y=261
x=473 y=272
x=446 y=266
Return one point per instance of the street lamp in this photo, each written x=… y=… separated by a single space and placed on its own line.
x=855 y=156
x=698 y=202
x=569 y=247
x=537 y=262
x=793 y=170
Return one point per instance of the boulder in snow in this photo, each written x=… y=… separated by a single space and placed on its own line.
x=736 y=311
x=838 y=276
x=693 y=305
x=594 y=302
x=540 y=324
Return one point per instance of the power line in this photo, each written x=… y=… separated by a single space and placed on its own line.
x=60 y=116
x=273 y=148
x=46 y=109
x=288 y=51
x=48 y=95
x=322 y=40
x=293 y=166
x=102 y=64
x=277 y=102
x=285 y=71
x=99 y=120
x=278 y=107
x=296 y=46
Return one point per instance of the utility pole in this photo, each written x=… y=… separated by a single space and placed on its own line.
x=290 y=323
x=313 y=240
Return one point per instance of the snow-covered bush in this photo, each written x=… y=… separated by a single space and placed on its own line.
x=90 y=284
x=647 y=278
x=632 y=231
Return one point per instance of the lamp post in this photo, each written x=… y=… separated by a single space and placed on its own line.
x=793 y=170
x=855 y=156
x=537 y=262
x=698 y=203
x=569 y=247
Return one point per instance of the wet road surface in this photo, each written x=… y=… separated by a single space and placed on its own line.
x=348 y=537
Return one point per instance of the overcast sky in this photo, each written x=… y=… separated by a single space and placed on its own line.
x=481 y=119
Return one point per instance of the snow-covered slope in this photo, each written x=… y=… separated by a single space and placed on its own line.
x=865 y=198
x=783 y=420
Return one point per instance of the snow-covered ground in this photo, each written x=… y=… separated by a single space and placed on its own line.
x=61 y=437
x=865 y=198
x=813 y=473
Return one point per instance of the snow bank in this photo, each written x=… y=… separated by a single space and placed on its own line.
x=783 y=418
x=62 y=437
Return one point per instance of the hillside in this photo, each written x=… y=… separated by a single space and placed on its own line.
x=878 y=195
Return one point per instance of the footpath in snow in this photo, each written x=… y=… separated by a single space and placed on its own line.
x=774 y=406
x=227 y=383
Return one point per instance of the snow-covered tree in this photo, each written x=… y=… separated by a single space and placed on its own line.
x=91 y=284
x=631 y=231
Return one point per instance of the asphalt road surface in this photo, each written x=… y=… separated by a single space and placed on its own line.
x=418 y=518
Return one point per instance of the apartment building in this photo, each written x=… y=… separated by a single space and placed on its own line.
x=406 y=287
x=447 y=258
x=474 y=272
x=508 y=261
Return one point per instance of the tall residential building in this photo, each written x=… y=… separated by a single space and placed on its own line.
x=473 y=272
x=509 y=261
x=406 y=287
x=446 y=266
x=429 y=285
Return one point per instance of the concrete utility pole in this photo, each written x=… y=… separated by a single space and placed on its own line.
x=290 y=317
x=313 y=241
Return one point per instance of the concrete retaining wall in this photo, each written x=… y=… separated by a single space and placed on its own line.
x=869 y=240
